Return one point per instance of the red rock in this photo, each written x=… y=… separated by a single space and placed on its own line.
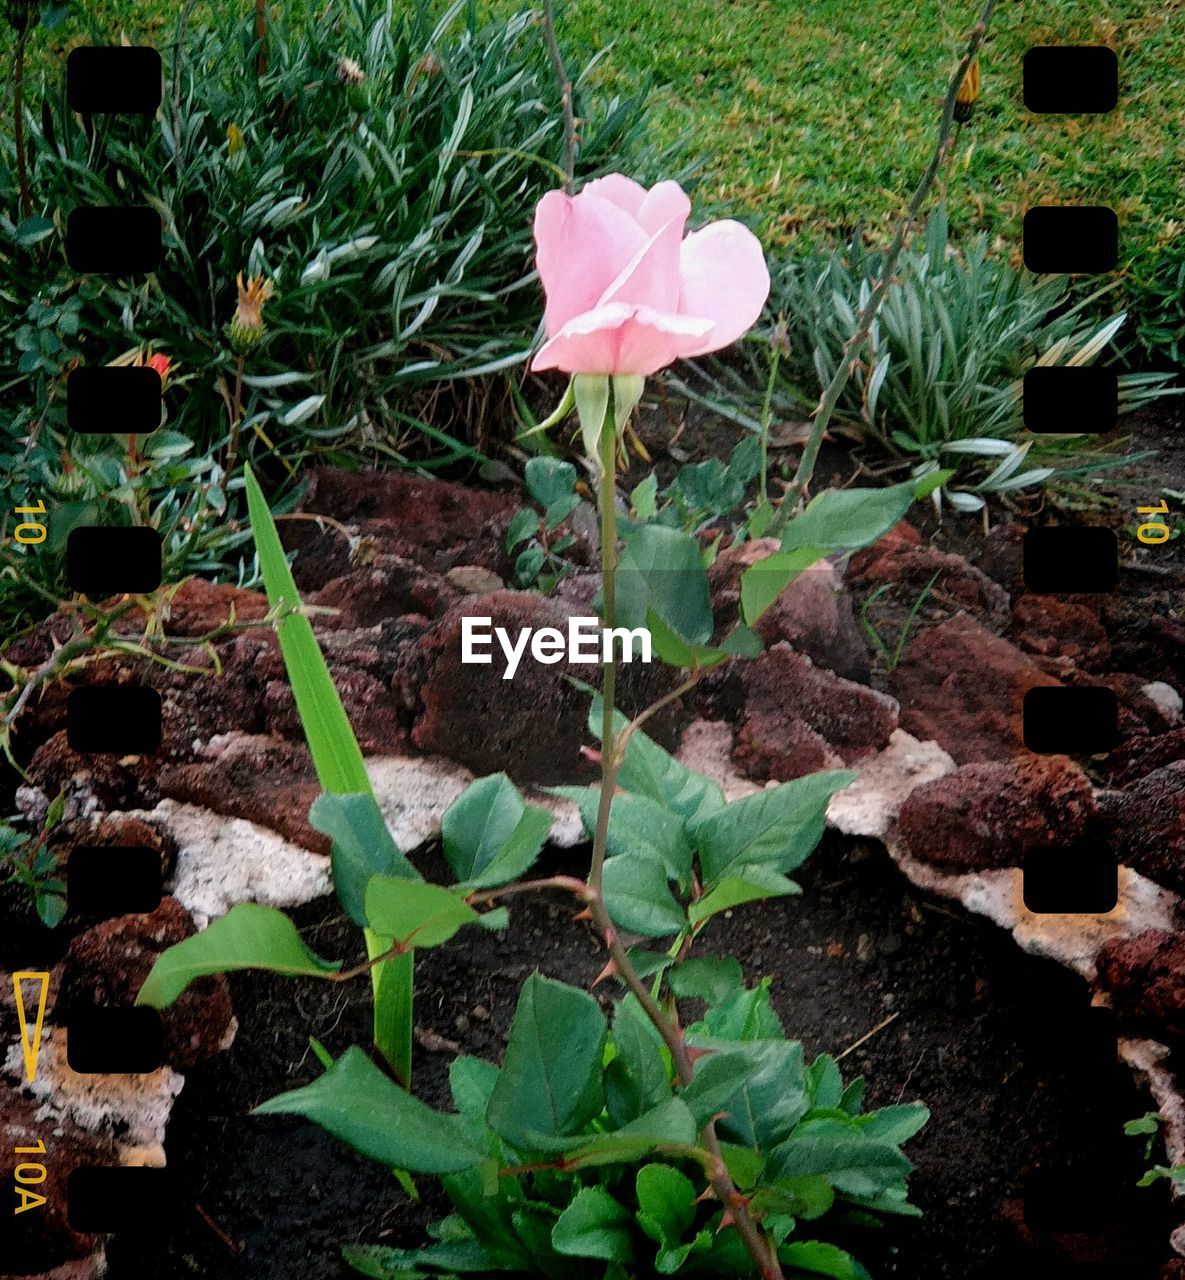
x=799 y=718
x=391 y=587
x=902 y=534
x=1148 y=824
x=41 y=1239
x=266 y=780
x=87 y=782
x=914 y=585
x=1130 y=761
x=107 y=965
x=532 y=726
x=965 y=688
x=435 y=523
x=814 y=613
x=1145 y=976
x=1051 y=626
x=992 y=814
x=198 y=607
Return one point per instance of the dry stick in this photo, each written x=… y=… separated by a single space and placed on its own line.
x=868 y=313
x=261 y=36
x=763 y=1252
x=557 y=61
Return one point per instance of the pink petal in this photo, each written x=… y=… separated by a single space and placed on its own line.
x=663 y=202
x=583 y=245
x=619 y=338
x=652 y=278
x=625 y=193
x=725 y=279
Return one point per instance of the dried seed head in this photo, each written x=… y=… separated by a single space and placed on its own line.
x=246 y=329
x=349 y=72
x=968 y=94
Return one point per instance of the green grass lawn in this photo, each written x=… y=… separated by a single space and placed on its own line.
x=813 y=116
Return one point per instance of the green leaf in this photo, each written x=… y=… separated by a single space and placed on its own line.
x=471 y=1081
x=822 y=1259
x=847 y=519
x=747 y=1015
x=779 y=826
x=463 y=1257
x=639 y=828
x=550 y=480
x=753 y=884
x=762 y=583
x=850 y=1161
x=33 y=229
x=651 y=771
x=770 y=1097
x=641 y=1069
x=805 y=1198
x=710 y=978
x=247 y=937
x=825 y=1082
x=415 y=913
x=335 y=751
x=490 y=836
x=594 y=1225
x=643 y=498
x=362 y=847
x=356 y=1102
x=895 y=1124
x=550 y=1083
x=638 y=898
x=718 y=1079
x=666 y=1203
x=523 y=525
x=661 y=571
x=668 y=1125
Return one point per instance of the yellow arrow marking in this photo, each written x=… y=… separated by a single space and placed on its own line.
x=32 y=1047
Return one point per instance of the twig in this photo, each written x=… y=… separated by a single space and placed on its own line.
x=880 y=1026
x=868 y=313
x=18 y=123
x=557 y=61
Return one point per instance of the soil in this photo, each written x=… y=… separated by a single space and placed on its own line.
x=1001 y=1046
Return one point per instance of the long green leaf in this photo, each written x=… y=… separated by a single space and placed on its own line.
x=249 y=936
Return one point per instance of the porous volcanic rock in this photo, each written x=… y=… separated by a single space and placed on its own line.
x=266 y=780
x=1060 y=627
x=532 y=726
x=41 y=1239
x=107 y=965
x=902 y=534
x=964 y=688
x=799 y=718
x=991 y=814
x=814 y=613
x=1131 y=760
x=436 y=524
x=1147 y=821
x=197 y=607
x=390 y=587
x=87 y=783
x=914 y=585
x=1145 y=977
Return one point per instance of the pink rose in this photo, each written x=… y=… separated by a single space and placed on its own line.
x=626 y=293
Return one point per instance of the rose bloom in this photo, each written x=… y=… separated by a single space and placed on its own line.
x=161 y=363
x=627 y=293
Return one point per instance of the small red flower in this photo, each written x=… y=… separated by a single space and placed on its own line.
x=161 y=363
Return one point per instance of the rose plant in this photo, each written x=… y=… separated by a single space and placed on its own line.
x=648 y=1142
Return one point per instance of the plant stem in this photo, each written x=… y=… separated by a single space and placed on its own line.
x=766 y=414
x=557 y=61
x=762 y=1251
x=18 y=125
x=261 y=36
x=868 y=313
x=236 y=418
x=609 y=754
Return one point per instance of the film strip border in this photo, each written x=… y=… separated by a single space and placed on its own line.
x=121 y=720
x=105 y=720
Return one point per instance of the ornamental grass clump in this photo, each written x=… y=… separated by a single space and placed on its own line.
x=661 y=1137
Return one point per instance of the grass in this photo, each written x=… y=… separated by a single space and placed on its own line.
x=814 y=116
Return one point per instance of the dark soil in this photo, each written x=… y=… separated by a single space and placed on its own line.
x=1000 y=1045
